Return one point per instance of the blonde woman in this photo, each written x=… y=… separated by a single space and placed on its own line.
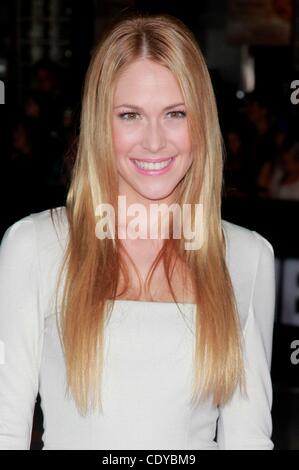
x=139 y=343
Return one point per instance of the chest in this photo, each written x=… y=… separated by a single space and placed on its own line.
x=143 y=255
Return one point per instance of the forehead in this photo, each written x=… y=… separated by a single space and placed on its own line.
x=145 y=80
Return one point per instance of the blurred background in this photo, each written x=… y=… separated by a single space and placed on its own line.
x=252 y=51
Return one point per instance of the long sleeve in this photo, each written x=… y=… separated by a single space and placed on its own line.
x=21 y=329
x=246 y=423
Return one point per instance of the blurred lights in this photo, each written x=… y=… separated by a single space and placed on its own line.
x=240 y=94
x=247 y=70
x=3 y=67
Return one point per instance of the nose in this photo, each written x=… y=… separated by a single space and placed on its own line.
x=154 y=137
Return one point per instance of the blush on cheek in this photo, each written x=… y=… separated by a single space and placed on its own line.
x=123 y=142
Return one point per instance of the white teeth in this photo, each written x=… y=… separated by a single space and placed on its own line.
x=152 y=166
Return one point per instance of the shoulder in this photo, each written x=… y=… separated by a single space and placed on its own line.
x=31 y=235
x=18 y=241
x=36 y=244
x=244 y=243
x=24 y=227
x=250 y=260
x=51 y=227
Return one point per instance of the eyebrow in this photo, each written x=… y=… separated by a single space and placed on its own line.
x=138 y=108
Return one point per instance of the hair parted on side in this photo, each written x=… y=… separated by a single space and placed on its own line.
x=92 y=267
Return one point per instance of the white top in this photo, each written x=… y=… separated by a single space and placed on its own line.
x=148 y=355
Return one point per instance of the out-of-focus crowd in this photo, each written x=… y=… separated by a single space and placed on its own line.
x=262 y=153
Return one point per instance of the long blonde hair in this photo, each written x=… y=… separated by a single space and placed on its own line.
x=93 y=266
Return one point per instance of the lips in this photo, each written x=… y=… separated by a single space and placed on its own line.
x=149 y=169
x=151 y=160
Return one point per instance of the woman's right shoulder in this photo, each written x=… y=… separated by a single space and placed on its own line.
x=43 y=228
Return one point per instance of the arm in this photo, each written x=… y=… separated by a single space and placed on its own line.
x=247 y=423
x=20 y=332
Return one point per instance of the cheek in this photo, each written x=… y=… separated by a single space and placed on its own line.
x=182 y=140
x=122 y=140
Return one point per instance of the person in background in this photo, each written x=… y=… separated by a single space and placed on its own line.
x=281 y=138
x=260 y=139
x=236 y=179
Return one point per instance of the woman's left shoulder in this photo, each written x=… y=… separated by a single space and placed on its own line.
x=251 y=264
x=244 y=243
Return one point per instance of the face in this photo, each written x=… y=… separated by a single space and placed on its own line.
x=150 y=125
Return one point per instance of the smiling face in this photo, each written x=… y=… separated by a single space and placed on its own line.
x=153 y=128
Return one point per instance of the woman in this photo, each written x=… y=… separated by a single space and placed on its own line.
x=139 y=372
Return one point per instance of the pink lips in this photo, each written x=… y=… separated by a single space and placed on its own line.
x=154 y=172
x=156 y=160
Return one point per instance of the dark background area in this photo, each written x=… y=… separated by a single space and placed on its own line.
x=45 y=49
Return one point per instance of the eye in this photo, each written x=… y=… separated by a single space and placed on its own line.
x=178 y=114
x=124 y=116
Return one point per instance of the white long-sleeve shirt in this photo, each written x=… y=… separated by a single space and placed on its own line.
x=148 y=355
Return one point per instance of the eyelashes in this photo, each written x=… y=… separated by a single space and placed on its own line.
x=178 y=114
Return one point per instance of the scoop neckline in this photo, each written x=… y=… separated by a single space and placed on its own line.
x=152 y=302
x=180 y=303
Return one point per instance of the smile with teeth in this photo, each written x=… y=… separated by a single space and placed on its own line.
x=151 y=165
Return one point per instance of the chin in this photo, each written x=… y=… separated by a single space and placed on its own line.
x=156 y=196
